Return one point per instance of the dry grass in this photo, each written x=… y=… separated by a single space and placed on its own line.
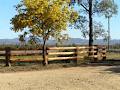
x=113 y=56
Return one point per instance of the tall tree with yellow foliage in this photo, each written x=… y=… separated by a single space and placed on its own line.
x=43 y=19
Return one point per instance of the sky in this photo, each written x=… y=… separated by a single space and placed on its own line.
x=7 y=10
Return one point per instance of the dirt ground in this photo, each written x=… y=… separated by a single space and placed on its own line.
x=73 y=78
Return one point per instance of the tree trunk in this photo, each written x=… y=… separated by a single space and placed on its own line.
x=90 y=24
x=108 y=33
x=44 y=52
x=90 y=30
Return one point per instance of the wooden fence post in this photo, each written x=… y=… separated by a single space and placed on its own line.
x=103 y=53
x=96 y=53
x=90 y=53
x=46 y=57
x=74 y=61
x=77 y=55
x=7 y=56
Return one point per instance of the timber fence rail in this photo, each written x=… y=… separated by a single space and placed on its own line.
x=58 y=53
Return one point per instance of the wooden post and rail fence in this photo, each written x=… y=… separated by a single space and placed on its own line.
x=94 y=53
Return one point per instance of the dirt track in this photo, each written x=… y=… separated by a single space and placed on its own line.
x=75 y=78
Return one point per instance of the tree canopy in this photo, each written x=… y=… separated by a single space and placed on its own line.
x=108 y=8
x=43 y=19
x=90 y=9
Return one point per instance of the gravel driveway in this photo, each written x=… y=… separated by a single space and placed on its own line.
x=75 y=78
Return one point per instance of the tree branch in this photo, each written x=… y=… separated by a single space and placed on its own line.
x=84 y=7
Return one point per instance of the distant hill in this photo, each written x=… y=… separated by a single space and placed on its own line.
x=71 y=41
x=9 y=41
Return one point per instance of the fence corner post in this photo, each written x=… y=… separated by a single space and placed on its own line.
x=7 y=56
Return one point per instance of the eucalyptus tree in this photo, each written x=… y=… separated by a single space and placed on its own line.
x=88 y=10
x=108 y=12
x=43 y=19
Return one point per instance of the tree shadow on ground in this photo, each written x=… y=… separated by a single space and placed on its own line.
x=114 y=69
x=113 y=66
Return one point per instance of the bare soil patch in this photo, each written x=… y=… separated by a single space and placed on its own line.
x=72 y=78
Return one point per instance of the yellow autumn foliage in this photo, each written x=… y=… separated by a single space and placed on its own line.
x=43 y=17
